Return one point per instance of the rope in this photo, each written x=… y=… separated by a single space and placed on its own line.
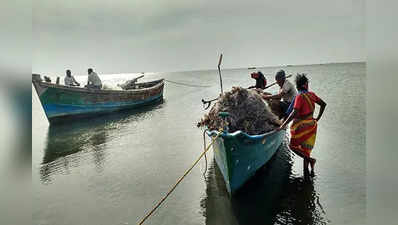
x=204 y=147
x=179 y=180
x=185 y=84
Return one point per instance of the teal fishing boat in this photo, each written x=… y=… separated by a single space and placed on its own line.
x=239 y=155
x=61 y=102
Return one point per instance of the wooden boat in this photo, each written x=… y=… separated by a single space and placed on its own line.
x=239 y=155
x=61 y=102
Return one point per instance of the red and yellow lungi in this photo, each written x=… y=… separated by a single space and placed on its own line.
x=303 y=134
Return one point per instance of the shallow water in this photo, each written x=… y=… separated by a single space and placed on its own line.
x=113 y=169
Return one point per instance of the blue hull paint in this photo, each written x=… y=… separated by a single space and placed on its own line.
x=62 y=102
x=55 y=111
x=239 y=155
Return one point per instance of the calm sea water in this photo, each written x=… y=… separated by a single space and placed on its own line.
x=113 y=169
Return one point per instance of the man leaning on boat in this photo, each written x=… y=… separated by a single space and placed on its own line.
x=287 y=93
x=93 y=81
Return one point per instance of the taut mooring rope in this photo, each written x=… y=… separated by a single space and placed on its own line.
x=179 y=180
x=185 y=84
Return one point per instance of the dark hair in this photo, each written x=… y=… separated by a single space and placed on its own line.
x=280 y=75
x=68 y=72
x=90 y=70
x=301 y=80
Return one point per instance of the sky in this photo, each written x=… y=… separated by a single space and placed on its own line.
x=176 y=35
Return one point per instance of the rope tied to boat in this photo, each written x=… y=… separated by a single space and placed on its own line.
x=188 y=85
x=204 y=148
x=182 y=177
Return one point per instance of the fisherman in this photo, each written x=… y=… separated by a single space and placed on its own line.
x=287 y=92
x=69 y=80
x=261 y=81
x=304 y=126
x=93 y=80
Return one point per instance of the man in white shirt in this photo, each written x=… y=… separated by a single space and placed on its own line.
x=287 y=92
x=93 y=80
x=69 y=80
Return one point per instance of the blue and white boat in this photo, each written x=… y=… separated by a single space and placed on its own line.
x=61 y=102
x=239 y=155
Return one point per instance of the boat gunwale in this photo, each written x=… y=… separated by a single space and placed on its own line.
x=158 y=84
x=239 y=133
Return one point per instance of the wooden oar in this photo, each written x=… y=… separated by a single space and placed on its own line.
x=288 y=76
x=219 y=72
x=138 y=77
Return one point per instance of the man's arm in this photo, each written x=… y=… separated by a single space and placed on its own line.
x=277 y=96
x=89 y=79
x=287 y=121
x=280 y=95
x=74 y=81
x=323 y=106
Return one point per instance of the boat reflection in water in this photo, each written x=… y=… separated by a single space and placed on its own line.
x=84 y=142
x=273 y=196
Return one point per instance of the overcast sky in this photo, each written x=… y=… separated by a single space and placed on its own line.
x=174 y=35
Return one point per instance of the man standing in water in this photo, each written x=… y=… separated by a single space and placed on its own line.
x=93 y=80
x=304 y=126
x=287 y=92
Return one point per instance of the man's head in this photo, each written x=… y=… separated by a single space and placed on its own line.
x=68 y=73
x=301 y=82
x=90 y=70
x=280 y=77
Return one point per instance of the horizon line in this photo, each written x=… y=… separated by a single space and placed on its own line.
x=234 y=68
x=256 y=67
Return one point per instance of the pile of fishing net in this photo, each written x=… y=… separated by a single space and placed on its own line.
x=247 y=112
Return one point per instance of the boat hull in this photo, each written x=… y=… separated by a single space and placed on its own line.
x=239 y=155
x=61 y=102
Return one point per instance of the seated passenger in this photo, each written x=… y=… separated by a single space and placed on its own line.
x=93 y=81
x=70 y=80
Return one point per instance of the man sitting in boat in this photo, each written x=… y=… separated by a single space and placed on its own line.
x=70 y=80
x=287 y=92
x=93 y=81
x=304 y=126
x=261 y=82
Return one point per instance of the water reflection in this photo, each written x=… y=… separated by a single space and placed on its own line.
x=300 y=204
x=273 y=196
x=85 y=142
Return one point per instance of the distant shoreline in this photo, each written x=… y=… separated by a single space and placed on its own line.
x=236 y=68
x=262 y=67
x=292 y=65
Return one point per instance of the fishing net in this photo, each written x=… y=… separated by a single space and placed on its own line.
x=247 y=112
